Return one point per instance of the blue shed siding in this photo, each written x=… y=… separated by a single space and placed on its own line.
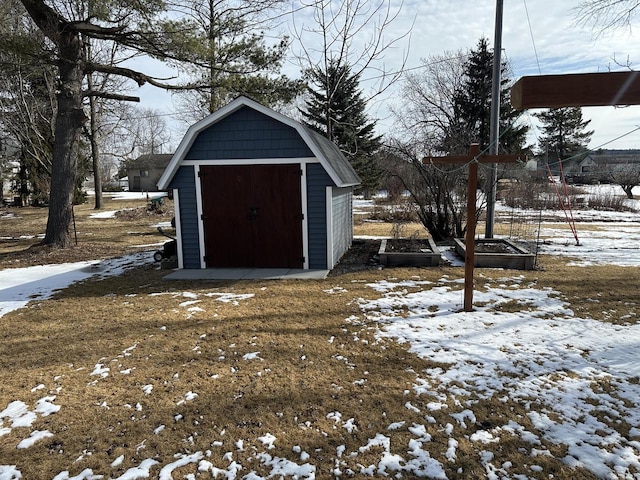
x=342 y=200
x=248 y=134
x=184 y=181
x=317 y=182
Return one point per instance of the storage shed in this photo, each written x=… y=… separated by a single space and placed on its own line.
x=256 y=189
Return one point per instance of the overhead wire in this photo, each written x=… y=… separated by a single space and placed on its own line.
x=535 y=50
x=511 y=125
x=565 y=202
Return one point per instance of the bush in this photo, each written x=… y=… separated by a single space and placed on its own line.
x=608 y=202
x=537 y=195
x=403 y=212
x=112 y=187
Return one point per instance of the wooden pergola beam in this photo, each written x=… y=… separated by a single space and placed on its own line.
x=484 y=159
x=577 y=90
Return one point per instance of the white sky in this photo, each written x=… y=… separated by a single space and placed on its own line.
x=561 y=46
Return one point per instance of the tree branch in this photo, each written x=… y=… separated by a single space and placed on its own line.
x=110 y=96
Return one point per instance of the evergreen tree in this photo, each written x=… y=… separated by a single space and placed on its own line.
x=335 y=108
x=233 y=57
x=472 y=108
x=474 y=101
x=564 y=135
x=27 y=103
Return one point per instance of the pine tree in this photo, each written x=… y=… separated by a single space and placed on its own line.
x=336 y=109
x=472 y=108
x=131 y=28
x=27 y=104
x=475 y=100
x=564 y=135
x=234 y=58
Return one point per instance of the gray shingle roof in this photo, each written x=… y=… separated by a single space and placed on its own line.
x=334 y=157
x=150 y=160
x=328 y=153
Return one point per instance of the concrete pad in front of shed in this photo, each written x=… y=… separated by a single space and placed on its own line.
x=246 y=274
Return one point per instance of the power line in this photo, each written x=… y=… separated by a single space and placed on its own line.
x=535 y=51
x=411 y=69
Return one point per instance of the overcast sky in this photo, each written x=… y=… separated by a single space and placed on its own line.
x=441 y=26
x=561 y=46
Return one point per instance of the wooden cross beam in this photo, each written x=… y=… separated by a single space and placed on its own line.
x=472 y=159
x=577 y=90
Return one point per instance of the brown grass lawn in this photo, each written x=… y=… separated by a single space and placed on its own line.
x=279 y=359
x=21 y=228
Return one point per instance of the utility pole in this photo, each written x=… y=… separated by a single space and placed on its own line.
x=494 y=121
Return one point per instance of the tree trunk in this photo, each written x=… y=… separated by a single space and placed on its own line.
x=95 y=149
x=95 y=160
x=69 y=121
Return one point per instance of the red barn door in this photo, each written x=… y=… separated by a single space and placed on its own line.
x=252 y=216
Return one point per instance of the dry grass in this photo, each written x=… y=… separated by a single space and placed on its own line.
x=389 y=230
x=21 y=230
x=312 y=361
x=605 y=292
x=602 y=292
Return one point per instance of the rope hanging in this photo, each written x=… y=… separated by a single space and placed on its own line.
x=564 y=200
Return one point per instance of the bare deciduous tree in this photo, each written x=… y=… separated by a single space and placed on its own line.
x=129 y=132
x=438 y=192
x=428 y=123
x=139 y=27
x=353 y=34
x=627 y=176
x=607 y=14
x=427 y=113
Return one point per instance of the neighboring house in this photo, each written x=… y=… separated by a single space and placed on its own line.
x=254 y=188
x=9 y=168
x=599 y=166
x=145 y=171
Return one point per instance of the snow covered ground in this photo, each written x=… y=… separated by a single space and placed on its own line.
x=542 y=356
x=125 y=196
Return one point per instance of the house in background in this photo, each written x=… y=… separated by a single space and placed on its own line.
x=253 y=188
x=145 y=171
x=600 y=166
x=9 y=170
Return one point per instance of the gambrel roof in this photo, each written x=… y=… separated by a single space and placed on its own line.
x=328 y=154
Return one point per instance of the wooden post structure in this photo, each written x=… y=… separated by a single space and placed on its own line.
x=544 y=91
x=576 y=90
x=472 y=159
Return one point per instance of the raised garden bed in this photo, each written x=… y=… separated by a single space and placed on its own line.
x=498 y=253
x=399 y=252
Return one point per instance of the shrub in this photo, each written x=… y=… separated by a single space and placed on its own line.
x=538 y=195
x=608 y=202
x=403 y=212
x=112 y=187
